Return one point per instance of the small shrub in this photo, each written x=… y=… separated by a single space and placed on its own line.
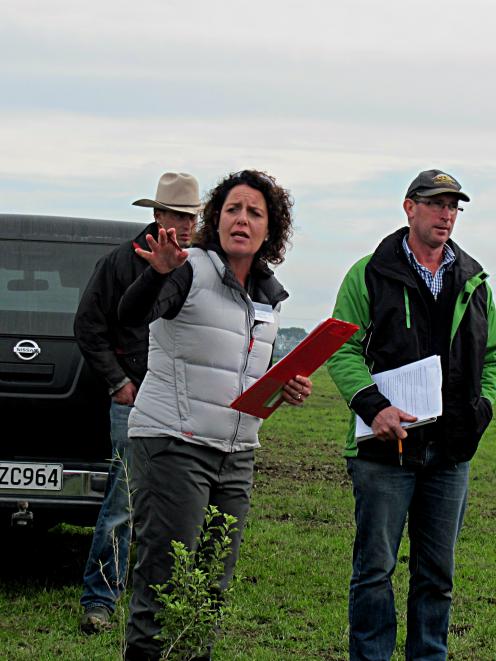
x=192 y=603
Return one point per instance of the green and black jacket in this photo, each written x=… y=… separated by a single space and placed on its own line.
x=399 y=323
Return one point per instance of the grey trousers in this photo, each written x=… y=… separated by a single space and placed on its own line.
x=172 y=482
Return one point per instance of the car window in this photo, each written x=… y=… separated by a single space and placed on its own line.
x=41 y=284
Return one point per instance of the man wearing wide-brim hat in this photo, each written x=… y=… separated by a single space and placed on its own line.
x=118 y=354
x=176 y=204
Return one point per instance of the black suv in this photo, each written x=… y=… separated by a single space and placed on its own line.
x=54 y=443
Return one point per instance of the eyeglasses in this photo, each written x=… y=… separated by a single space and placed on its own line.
x=438 y=205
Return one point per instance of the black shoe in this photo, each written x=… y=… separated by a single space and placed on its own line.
x=134 y=653
x=95 y=620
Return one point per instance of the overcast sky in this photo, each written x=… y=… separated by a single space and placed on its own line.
x=344 y=103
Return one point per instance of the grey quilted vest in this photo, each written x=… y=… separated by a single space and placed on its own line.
x=201 y=360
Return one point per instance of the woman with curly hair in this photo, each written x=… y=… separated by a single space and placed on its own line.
x=214 y=311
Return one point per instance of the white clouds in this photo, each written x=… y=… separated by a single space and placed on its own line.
x=158 y=40
x=316 y=26
x=343 y=102
x=303 y=153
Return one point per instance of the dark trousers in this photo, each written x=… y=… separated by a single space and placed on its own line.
x=172 y=482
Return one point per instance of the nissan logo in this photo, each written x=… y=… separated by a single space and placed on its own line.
x=27 y=349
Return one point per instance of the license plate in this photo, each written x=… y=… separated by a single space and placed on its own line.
x=47 y=477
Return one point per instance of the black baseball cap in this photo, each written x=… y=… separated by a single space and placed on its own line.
x=435 y=182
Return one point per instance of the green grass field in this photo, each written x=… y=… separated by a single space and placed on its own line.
x=290 y=595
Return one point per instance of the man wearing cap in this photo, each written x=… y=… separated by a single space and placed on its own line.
x=118 y=354
x=416 y=296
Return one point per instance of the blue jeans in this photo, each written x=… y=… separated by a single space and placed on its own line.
x=106 y=569
x=432 y=492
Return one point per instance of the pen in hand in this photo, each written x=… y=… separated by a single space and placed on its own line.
x=400 y=451
x=171 y=239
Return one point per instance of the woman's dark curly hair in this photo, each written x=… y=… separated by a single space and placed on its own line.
x=279 y=205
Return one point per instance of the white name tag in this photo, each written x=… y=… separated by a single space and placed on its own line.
x=264 y=313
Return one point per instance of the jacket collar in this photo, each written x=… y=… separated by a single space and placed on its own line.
x=263 y=286
x=389 y=259
x=140 y=240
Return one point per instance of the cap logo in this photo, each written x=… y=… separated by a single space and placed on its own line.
x=444 y=179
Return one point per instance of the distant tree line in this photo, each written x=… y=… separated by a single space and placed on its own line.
x=286 y=340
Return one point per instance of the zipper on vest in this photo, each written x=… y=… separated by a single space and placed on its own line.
x=245 y=364
x=407 y=307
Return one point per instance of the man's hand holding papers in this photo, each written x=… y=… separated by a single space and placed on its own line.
x=414 y=391
x=387 y=423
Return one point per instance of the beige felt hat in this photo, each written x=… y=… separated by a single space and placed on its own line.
x=176 y=191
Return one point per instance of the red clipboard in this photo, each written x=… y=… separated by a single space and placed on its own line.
x=264 y=396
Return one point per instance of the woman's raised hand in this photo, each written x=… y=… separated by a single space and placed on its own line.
x=165 y=253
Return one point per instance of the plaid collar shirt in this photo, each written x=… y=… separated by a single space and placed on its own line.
x=433 y=282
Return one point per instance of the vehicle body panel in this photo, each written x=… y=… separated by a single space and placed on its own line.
x=53 y=407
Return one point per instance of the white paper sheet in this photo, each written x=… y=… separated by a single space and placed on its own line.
x=414 y=388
